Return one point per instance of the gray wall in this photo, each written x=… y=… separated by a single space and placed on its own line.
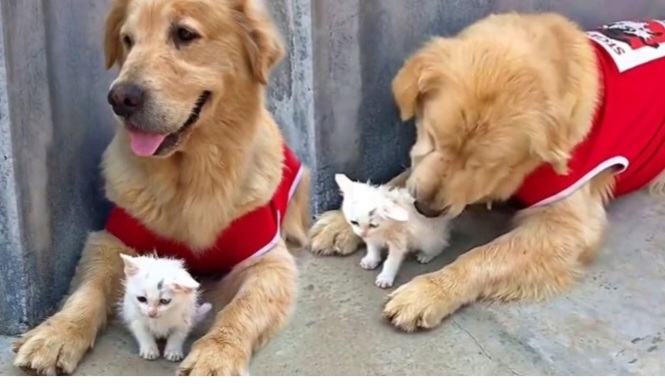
x=331 y=95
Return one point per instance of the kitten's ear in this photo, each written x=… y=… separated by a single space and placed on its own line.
x=345 y=184
x=395 y=212
x=184 y=283
x=131 y=264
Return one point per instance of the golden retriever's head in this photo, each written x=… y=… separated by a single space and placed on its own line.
x=184 y=62
x=485 y=119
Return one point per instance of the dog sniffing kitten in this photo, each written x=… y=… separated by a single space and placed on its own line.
x=160 y=302
x=387 y=218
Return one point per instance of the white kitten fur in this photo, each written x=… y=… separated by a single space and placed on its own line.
x=160 y=302
x=385 y=217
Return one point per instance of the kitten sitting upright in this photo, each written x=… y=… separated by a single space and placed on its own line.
x=385 y=217
x=160 y=302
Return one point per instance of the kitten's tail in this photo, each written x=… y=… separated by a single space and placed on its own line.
x=201 y=312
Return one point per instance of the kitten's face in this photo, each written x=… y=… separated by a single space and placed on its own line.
x=362 y=217
x=366 y=209
x=155 y=286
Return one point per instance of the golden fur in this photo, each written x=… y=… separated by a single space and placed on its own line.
x=506 y=95
x=229 y=163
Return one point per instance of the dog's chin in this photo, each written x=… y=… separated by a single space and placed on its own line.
x=159 y=144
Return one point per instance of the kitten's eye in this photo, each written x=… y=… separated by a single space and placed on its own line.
x=183 y=36
x=127 y=41
x=165 y=301
x=373 y=225
x=142 y=299
x=355 y=222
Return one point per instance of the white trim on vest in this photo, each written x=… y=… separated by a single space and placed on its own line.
x=273 y=242
x=614 y=161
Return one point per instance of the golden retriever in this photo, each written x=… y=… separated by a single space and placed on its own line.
x=507 y=95
x=194 y=71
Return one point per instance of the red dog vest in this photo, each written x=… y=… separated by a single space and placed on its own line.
x=249 y=236
x=628 y=132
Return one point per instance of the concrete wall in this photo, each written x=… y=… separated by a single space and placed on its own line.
x=330 y=95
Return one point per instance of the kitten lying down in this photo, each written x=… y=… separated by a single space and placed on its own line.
x=160 y=302
x=386 y=217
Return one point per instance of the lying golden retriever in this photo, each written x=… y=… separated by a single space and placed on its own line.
x=196 y=152
x=525 y=106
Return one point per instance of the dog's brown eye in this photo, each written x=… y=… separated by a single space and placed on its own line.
x=127 y=41
x=184 y=35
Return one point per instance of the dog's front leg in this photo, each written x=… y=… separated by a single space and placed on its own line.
x=539 y=257
x=59 y=343
x=260 y=298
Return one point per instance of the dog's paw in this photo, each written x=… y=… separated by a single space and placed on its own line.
x=369 y=262
x=54 y=347
x=214 y=357
x=421 y=303
x=384 y=281
x=149 y=353
x=332 y=235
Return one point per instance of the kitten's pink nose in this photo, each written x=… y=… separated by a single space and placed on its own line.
x=152 y=313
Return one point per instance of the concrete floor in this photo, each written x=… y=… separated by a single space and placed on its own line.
x=612 y=322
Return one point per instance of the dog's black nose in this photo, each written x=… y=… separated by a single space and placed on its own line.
x=126 y=99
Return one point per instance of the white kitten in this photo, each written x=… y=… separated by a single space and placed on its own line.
x=160 y=302
x=385 y=217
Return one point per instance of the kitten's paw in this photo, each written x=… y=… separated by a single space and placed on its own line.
x=384 y=281
x=174 y=355
x=332 y=235
x=424 y=258
x=369 y=262
x=149 y=352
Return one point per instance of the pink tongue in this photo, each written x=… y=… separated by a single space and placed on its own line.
x=145 y=145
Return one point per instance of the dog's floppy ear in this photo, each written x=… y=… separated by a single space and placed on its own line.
x=261 y=40
x=114 y=20
x=418 y=76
